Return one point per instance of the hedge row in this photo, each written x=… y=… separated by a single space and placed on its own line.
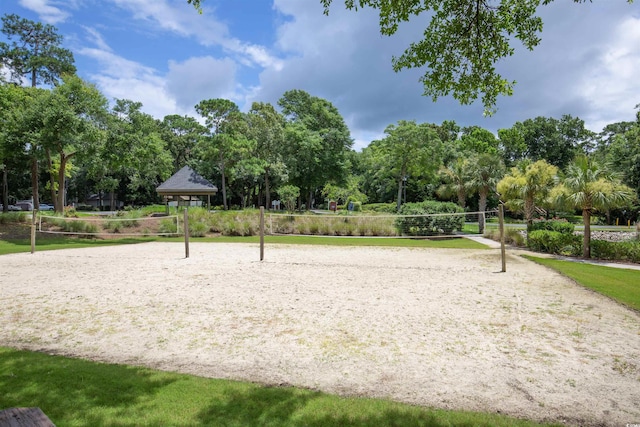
x=552 y=225
x=429 y=225
x=558 y=243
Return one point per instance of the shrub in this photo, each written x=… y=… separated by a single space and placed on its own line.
x=198 y=229
x=289 y=195
x=554 y=242
x=168 y=225
x=419 y=225
x=563 y=227
x=389 y=208
x=70 y=212
x=618 y=251
x=72 y=226
x=13 y=217
x=357 y=206
x=512 y=236
x=85 y=208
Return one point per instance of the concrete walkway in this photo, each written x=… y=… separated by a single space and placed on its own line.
x=522 y=251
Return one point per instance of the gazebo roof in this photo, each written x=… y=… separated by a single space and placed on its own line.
x=186 y=182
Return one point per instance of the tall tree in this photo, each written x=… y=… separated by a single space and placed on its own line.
x=216 y=113
x=484 y=173
x=623 y=153
x=148 y=161
x=317 y=141
x=411 y=150
x=475 y=139
x=181 y=134
x=14 y=132
x=456 y=180
x=526 y=185
x=266 y=127
x=545 y=138
x=35 y=52
x=71 y=117
x=589 y=186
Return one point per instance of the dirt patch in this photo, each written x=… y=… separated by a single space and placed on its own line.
x=431 y=327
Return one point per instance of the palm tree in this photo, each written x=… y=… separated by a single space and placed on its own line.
x=456 y=181
x=485 y=170
x=590 y=186
x=526 y=184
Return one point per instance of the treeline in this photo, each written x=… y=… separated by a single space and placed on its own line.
x=66 y=142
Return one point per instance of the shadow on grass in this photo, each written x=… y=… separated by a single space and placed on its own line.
x=73 y=392
x=69 y=390
x=271 y=406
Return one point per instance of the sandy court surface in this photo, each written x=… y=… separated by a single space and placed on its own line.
x=432 y=327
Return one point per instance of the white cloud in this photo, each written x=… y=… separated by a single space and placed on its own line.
x=125 y=79
x=117 y=66
x=344 y=59
x=148 y=90
x=96 y=38
x=48 y=10
x=197 y=79
x=611 y=85
x=209 y=31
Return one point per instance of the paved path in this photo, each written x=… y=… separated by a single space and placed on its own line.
x=520 y=251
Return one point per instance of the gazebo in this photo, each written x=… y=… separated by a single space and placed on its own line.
x=185 y=184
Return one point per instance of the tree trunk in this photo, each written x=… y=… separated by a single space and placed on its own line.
x=224 y=183
x=59 y=204
x=5 y=190
x=462 y=199
x=34 y=182
x=482 y=206
x=529 y=209
x=586 y=238
x=399 y=193
x=64 y=159
x=52 y=180
x=267 y=190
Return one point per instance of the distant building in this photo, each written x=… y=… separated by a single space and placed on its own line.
x=185 y=188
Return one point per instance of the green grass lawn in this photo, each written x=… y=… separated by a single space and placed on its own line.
x=74 y=392
x=24 y=245
x=622 y=285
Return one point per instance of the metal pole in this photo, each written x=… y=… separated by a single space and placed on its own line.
x=186 y=232
x=502 y=248
x=261 y=233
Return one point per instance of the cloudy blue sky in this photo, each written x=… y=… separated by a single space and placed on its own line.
x=167 y=56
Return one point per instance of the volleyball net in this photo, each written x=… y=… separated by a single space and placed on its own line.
x=110 y=226
x=425 y=225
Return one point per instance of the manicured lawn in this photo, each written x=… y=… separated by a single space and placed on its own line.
x=24 y=245
x=74 y=392
x=623 y=285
